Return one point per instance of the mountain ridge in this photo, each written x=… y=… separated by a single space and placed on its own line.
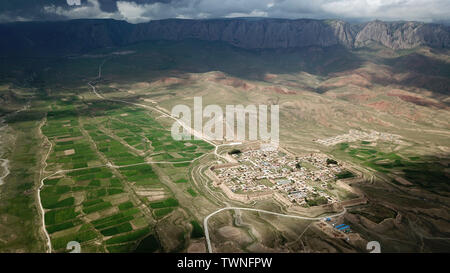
x=85 y=34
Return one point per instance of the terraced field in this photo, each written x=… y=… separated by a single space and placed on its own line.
x=102 y=190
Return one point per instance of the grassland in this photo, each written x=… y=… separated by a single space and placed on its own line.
x=389 y=161
x=20 y=143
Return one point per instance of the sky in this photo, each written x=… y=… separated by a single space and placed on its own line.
x=139 y=11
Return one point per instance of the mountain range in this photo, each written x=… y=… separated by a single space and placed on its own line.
x=76 y=36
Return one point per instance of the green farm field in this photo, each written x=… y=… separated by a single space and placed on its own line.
x=102 y=159
x=102 y=168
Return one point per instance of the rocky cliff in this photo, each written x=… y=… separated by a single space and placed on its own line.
x=80 y=35
x=251 y=34
x=403 y=35
x=279 y=33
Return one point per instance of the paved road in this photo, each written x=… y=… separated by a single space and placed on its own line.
x=205 y=221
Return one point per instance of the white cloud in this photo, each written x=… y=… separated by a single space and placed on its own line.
x=91 y=10
x=137 y=13
x=253 y=13
x=133 y=12
x=10 y=18
x=420 y=10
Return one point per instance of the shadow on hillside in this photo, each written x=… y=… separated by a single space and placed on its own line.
x=424 y=72
x=189 y=56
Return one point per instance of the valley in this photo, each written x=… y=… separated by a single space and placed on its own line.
x=91 y=158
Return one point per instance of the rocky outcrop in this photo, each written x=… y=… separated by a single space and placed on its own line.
x=281 y=33
x=403 y=35
x=82 y=35
x=250 y=34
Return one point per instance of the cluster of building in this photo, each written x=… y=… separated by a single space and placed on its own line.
x=297 y=178
x=356 y=135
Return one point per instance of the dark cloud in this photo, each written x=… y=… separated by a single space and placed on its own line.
x=136 y=11
x=108 y=5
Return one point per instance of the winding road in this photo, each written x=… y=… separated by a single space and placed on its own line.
x=109 y=165
x=41 y=208
x=216 y=147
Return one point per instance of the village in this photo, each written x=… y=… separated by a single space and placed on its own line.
x=303 y=180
